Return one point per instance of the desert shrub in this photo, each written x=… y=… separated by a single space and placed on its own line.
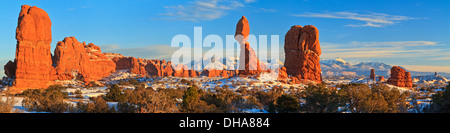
x=243 y=91
x=225 y=86
x=396 y=100
x=96 y=105
x=225 y=101
x=115 y=94
x=48 y=100
x=287 y=104
x=267 y=99
x=140 y=86
x=173 y=93
x=123 y=82
x=78 y=92
x=360 y=98
x=250 y=102
x=440 y=102
x=147 y=101
x=184 y=81
x=133 y=82
x=320 y=99
x=193 y=104
x=8 y=105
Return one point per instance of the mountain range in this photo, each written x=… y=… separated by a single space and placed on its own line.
x=333 y=67
x=339 y=67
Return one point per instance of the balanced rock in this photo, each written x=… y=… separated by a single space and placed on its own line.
x=399 y=77
x=249 y=64
x=10 y=69
x=302 y=51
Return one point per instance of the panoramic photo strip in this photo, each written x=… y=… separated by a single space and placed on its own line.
x=205 y=64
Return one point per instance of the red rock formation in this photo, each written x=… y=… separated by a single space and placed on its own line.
x=381 y=79
x=399 y=77
x=218 y=73
x=212 y=73
x=408 y=80
x=75 y=58
x=167 y=69
x=181 y=70
x=132 y=64
x=150 y=67
x=193 y=73
x=302 y=51
x=282 y=73
x=249 y=64
x=372 y=74
x=242 y=30
x=153 y=68
x=33 y=62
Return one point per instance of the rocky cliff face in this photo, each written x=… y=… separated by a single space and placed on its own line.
x=32 y=67
x=134 y=65
x=146 y=67
x=78 y=59
x=302 y=49
x=399 y=77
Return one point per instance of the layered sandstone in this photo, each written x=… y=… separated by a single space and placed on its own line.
x=218 y=73
x=133 y=65
x=35 y=67
x=32 y=67
x=181 y=70
x=249 y=62
x=78 y=59
x=146 y=67
x=399 y=77
x=159 y=68
x=302 y=51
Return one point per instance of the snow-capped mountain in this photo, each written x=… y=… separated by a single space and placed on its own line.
x=228 y=62
x=334 y=67
x=337 y=65
x=341 y=67
x=430 y=79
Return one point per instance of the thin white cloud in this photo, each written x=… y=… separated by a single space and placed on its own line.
x=442 y=56
x=400 y=43
x=201 y=10
x=396 y=49
x=370 y=20
x=249 y=1
x=267 y=10
x=425 y=68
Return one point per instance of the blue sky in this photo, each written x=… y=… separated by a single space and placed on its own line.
x=411 y=33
